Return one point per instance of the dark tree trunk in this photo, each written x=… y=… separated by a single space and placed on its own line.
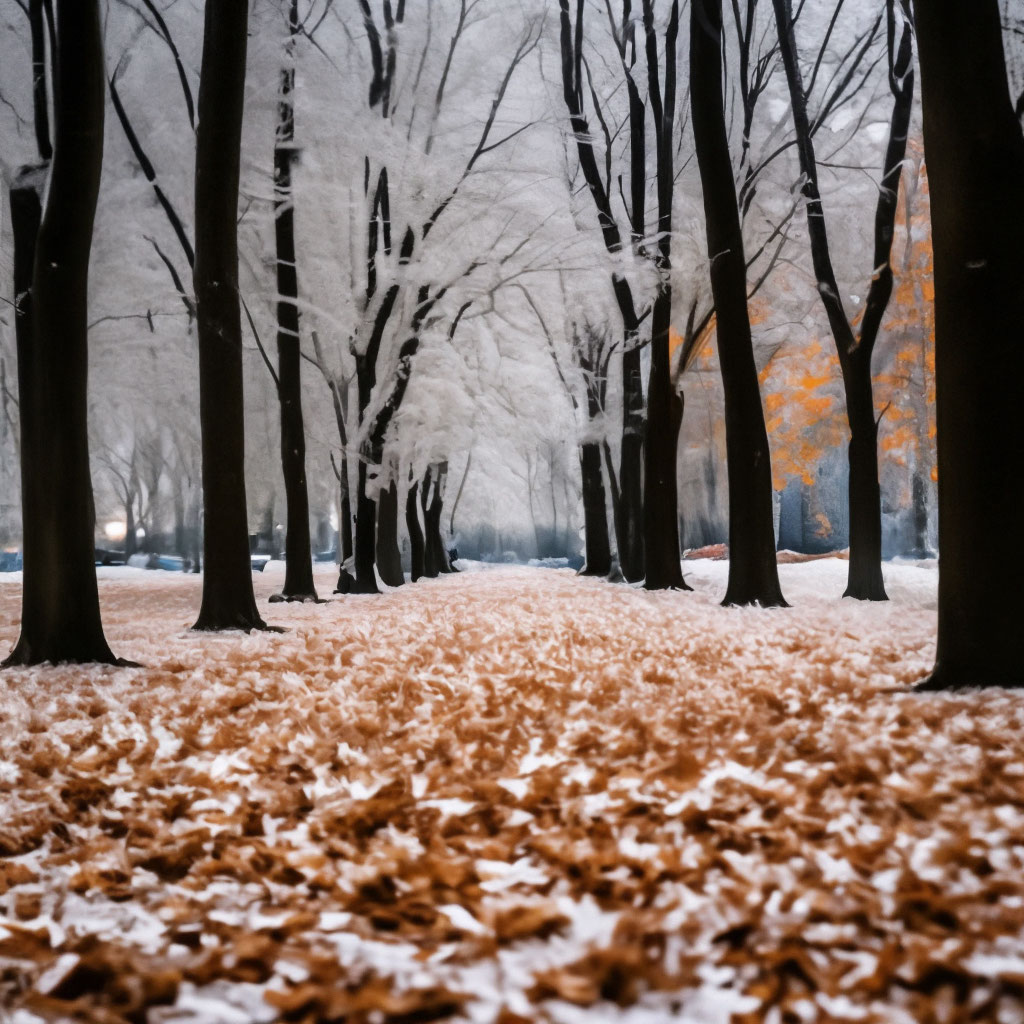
x=753 y=575
x=26 y=213
x=344 y=500
x=975 y=156
x=664 y=406
x=389 y=558
x=60 y=599
x=433 y=520
x=228 y=600
x=365 y=581
x=430 y=568
x=298 y=577
x=345 y=525
x=864 y=577
x=595 y=516
x=664 y=420
x=412 y=524
x=615 y=575
x=631 y=460
x=435 y=558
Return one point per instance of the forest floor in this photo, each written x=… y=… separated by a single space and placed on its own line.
x=511 y=796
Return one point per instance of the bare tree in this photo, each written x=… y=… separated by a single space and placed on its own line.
x=753 y=575
x=298 y=580
x=395 y=309
x=855 y=348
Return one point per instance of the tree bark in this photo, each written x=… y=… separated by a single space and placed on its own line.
x=598 y=553
x=864 y=576
x=631 y=459
x=298 y=578
x=412 y=524
x=345 y=526
x=753 y=574
x=389 y=558
x=663 y=569
x=975 y=157
x=60 y=599
x=26 y=213
x=435 y=558
x=228 y=599
x=365 y=581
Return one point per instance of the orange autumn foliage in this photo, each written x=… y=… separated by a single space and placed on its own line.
x=802 y=384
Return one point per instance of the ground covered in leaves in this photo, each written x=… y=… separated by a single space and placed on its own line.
x=512 y=796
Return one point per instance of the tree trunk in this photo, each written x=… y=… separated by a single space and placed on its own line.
x=365 y=581
x=228 y=600
x=864 y=576
x=631 y=460
x=435 y=558
x=975 y=157
x=753 y=574
x=444 y=564
x=663 y=569
x=298 y=577
x=26 y=212
x=345 y=525
x=595 y=516
x=412 y=524
x=60 y=599
x=389 y=558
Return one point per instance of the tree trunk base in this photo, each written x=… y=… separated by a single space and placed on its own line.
x=679 y=585
x=364 y=586
x=218 y=624
x=871 y=591
x=763 y=598
x=615 y=574
x=307 y=598
x=23 y=657
x=944 y=680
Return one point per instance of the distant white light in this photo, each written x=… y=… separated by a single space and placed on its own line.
x=115 y=531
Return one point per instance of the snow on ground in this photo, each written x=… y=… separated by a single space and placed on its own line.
x=511 y=796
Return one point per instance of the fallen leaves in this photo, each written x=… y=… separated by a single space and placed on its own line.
x=519 y=791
